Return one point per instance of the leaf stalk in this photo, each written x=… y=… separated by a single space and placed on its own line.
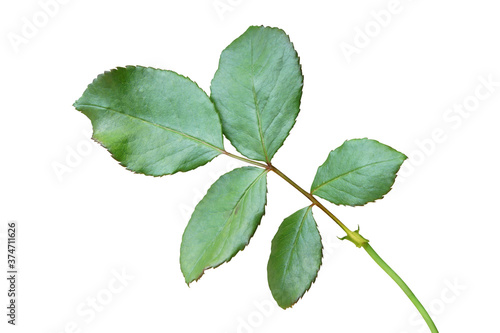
x=353 y=236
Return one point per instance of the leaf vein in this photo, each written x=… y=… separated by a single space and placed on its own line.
x=351 y=171
x=225 y=224
x=187 y=136
x=293 y=247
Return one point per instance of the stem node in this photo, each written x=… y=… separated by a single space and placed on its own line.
x=356 y=238
x=353 y=236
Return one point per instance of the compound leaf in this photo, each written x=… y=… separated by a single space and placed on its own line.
x=223 y=221
x=154 y=122
x=295 y=258
x=257 y=90
x=357 y=172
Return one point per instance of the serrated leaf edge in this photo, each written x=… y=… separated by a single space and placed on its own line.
x=264 y=172
x=95 y=80
x=320 y=263
x=299 y=97
x=403 y=158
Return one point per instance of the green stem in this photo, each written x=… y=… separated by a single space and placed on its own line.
x=360 y=241
x=240 y=158
x=353 y=236
x=402 y=285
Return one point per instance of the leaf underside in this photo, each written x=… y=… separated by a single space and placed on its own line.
x=357 y=172
x=295 y=259
x=154 y=122
x=223 y=221
x=257 y=90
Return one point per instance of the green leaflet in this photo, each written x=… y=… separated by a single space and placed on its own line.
x=224 y=221
x=357 y=172
x=157 y=122
x=295 y=259
x=257 y=90
x=154 y=122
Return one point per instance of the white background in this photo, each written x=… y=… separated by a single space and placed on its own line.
x=437 y=228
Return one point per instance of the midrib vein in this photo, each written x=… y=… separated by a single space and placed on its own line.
x=228 y=221
x=257 y=111
x=351 y=171
x=295 y=241
x=157 y=125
